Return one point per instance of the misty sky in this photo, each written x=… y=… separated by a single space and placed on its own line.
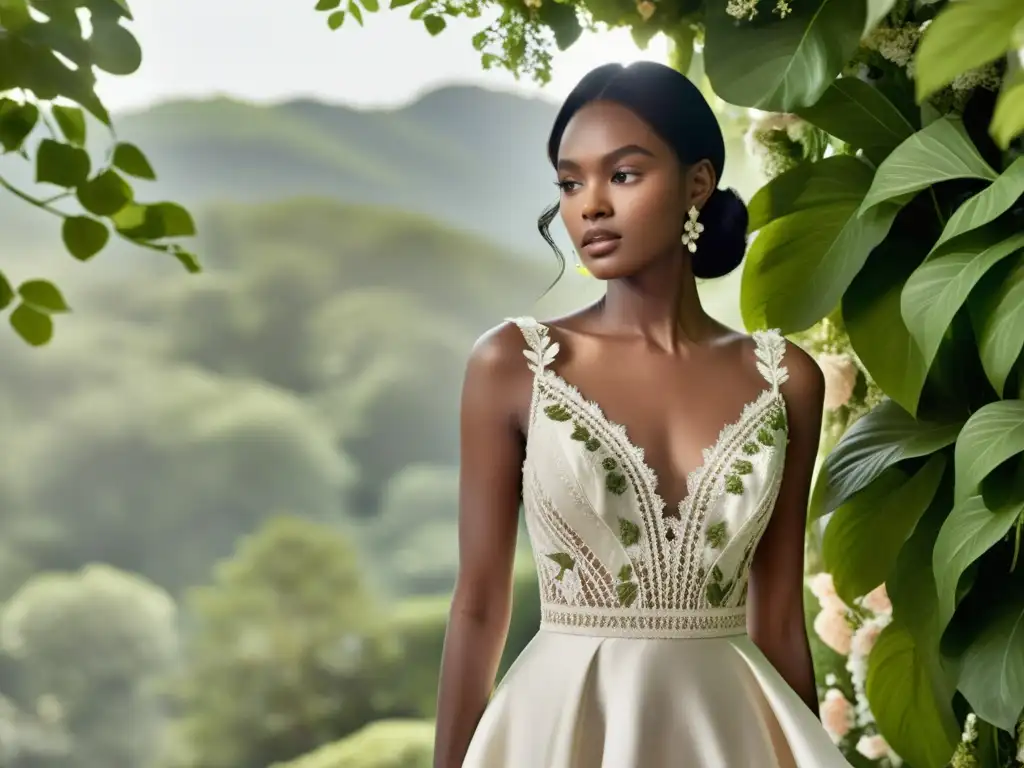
x=268 y=50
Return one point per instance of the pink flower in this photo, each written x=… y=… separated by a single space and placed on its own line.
x=823 y=588
x=836 y=714
x=873 y=747
x=877 y=601
x=840 y=379
x=833 y=629
x=864 y=639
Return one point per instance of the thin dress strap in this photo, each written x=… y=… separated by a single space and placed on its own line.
x=542 y=350
x=771 y=348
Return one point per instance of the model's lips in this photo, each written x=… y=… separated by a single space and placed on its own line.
x=600 y=242
x=599 y=236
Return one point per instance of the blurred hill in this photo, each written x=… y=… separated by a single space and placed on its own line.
x=469 y=157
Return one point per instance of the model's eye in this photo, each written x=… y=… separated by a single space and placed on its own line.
x=566 y=185
x=624 y=177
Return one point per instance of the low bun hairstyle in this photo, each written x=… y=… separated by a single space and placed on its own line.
x=678 y=112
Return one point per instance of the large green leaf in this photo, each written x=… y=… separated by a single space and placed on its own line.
x=810 y=243
x=84 y=237
x=938 y=288
x=993 y=434
x=965 y=35
x=114 y=48
x=871 y=314
x=865 y=535
x=939 y=152
x=784 y=64
x=907 y=704
x=997 y=313
x=988 y=205
x=969 y=532
x=877 y=10
x=992 y=672
x=1008 y=118
x=878 y=440
x=861 y=115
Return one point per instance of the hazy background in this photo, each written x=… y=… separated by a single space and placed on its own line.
x=228 y=501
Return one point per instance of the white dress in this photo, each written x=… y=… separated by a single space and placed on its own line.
x=642 y=659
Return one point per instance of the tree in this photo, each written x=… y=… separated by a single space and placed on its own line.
x=49 y=52
x=88 y=649
x=288 y=651
x=128 y=472
x=891 y=132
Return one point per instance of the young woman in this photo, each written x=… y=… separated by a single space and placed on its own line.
x=664 y=463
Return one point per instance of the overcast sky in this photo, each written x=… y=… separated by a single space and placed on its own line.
x=268 y=50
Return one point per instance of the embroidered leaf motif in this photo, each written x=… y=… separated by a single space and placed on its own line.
x=734 y=485
x=716 y=534
x=609 y=464
x=627 y=592
x=580 y=433
x=557 y=412
x=629 y=532
x=765 y=437
x=742 y=467
x=751 y=448
x=716 y=593
x=564 y=561
x=771 y=347
x=592 y=444
x=626 y=572
x=777 y=418
x=616 y=483
x=716 y=574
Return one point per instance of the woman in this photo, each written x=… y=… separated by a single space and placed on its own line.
x=667 y=639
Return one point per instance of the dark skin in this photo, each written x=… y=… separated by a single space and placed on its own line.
x=695 y=374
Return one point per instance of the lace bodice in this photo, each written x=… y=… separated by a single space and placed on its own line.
x=611 y=559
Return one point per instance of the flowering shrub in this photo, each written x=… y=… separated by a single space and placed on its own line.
x=851 y=631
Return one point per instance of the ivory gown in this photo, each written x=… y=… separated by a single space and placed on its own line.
x=642 y=659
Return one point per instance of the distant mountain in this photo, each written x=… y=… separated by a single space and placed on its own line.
x=469 y=157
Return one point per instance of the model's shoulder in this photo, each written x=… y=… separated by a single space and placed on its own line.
x=500 y=348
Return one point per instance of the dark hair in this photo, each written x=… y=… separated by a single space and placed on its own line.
x=678 y=112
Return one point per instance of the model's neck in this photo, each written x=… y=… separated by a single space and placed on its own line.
x=660 y=303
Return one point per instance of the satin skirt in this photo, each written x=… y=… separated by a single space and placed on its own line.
x=579 y=701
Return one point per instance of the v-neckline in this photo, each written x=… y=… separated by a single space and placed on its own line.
x=640 y=455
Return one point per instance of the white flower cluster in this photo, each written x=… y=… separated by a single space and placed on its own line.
x=747 y=9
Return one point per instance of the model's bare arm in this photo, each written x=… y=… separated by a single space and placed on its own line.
x=777 y=575
x=490 y=480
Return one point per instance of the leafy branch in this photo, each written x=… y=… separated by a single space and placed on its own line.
x=49 y=53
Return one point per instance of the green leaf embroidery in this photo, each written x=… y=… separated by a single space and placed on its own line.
x=717 y=534
x=616 y=483
x=742 y=467
x=627 y=592
x=580 y=433
x=629 y=532
x=609 y=464
x=751 y=448
x=734 y=485
x=564 y=561
x=557 y=412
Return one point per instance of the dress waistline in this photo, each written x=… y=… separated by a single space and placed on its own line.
x=644 y=623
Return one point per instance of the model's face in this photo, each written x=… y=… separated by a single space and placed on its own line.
x=624 y=193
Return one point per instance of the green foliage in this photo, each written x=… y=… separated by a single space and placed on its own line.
x=384 y=744
x=86 y=650
x=47 y=53
x=289 y=650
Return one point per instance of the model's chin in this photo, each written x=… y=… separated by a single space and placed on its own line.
x=609 y=268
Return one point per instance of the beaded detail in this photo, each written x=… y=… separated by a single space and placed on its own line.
x=612 y=560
